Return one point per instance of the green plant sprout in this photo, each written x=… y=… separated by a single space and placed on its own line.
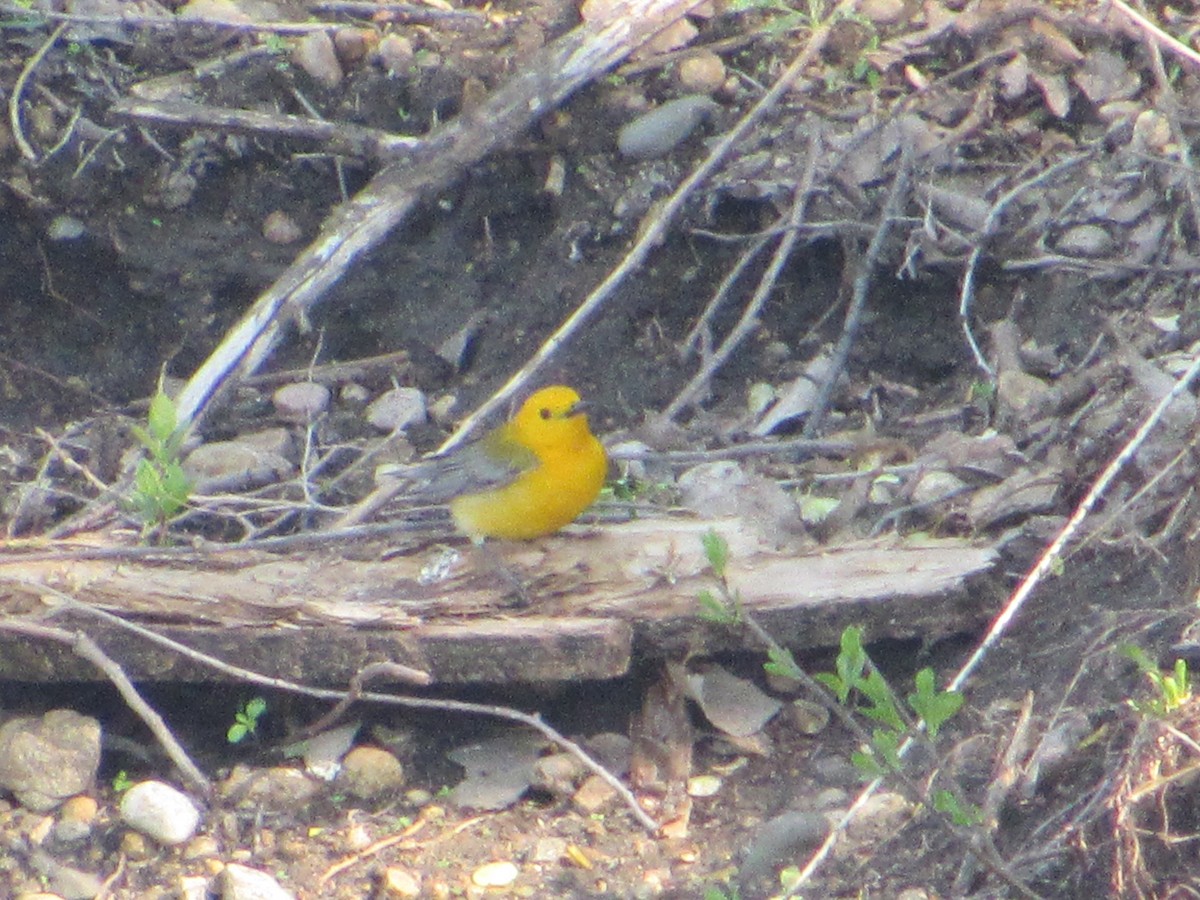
x=716 y=892
x=160 y=487
x=855 y=679
x=1174 y=688
x=245 y=720
x=122 y=782
x=725 y=607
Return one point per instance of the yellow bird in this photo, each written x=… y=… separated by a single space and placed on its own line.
x=526 y=478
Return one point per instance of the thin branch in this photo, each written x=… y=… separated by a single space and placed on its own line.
x=897 y=195
x=456 y=706
x=655 y=230
x=88 y=649
x=14 y=99
x=749 y=318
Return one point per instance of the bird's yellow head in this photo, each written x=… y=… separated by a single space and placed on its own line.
x=552 y=418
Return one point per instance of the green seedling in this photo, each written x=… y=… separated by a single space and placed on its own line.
x=960 y=812
x=160 y=487
x=1173 y=688
x=245 y=720
x=122 y=782
x=855 y=675
x=716 y=892
x=725 y=606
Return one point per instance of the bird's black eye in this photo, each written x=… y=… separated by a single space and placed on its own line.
x=545 y=413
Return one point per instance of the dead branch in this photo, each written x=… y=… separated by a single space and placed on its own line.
x=336 y=137
x=88 y=649
x=553 y=73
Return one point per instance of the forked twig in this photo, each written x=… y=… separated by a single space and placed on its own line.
x=749 y=318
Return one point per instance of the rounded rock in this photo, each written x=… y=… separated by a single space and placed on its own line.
x=369 y=772
x=664 y=128
x=495 y=875
x=302 y=401
x=703 y=73
x=397 y=409
x=315 y=54
x=160 y=812
x=280 y=228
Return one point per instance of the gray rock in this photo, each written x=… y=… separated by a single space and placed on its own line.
x=302 y=401
x=661 y=130
x=397 y=409
x=315 y=54
x=45 y=760
x=779 y=840
x=243 y=883
x=233 y=465
x=160 y=812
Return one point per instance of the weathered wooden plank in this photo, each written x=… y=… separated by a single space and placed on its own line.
x=591 y=598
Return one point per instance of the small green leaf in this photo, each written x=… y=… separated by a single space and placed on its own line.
x=886 y=744
x=713 y=610
x=867 y=765
x=162 y=419
x=931 y=705
x=716 y=551
x=781 y=662
x=960 y=813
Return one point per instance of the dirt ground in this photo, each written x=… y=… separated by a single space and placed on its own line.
x=1013 y=175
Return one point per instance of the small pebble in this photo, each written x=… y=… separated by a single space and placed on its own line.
x=135 y=846
x=302 y=401
x=881 y=12
x=557 y=773
x=807 y=716
x=397 y=882
x=369 y=772
x=315 y=54
x=352 y=45
x=1085 y=240
x=661 y=130
x=280 y=228
x=396 y=53
x=703 y=73
x=397 y=409
x=549 y=850
x=594 y=793
x=193 y=887
x=202 y=846
x=495 y=875
x=65 y=228
x=243 y=883
x=354 y=393
x=75 y=819
x=230 y=466
x=160 y=811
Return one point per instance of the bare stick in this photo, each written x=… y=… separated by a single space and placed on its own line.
x=88 y=649
x=458 y=706
x=338 y=137
x=654 y=232
x=1156 y=34
x=14 y=100
x=749 y=319
x=897 y=195
x=990 y=224
x=552 y=74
